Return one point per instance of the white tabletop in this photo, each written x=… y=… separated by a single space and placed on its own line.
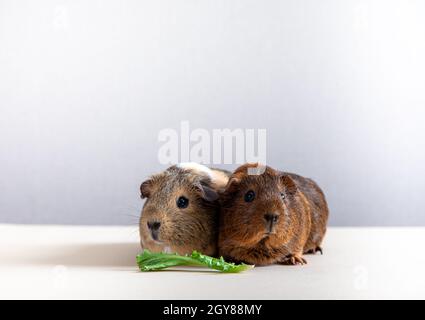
x=66 y=262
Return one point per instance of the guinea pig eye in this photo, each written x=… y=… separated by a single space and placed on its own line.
x=282 y=195
x=249 y=196
x=182 y=202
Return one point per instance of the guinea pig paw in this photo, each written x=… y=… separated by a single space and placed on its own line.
x=315 y=250
x=293 y=260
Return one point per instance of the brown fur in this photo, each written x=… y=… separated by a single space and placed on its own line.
x=182 y=230
x=245 y=235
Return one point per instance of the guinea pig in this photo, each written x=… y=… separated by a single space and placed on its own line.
x=270 y=217
x=181 y=211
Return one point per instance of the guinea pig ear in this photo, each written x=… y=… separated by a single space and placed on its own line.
x=206 y=192
x=232 y=184
x=146 y=188
x=289 y=184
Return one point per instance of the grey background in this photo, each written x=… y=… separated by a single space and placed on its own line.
x=85 y=87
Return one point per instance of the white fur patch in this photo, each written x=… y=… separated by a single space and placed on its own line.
x=218 y=178
x=199 y=168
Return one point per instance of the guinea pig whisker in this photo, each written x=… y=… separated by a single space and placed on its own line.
x=130 y=207
x=134 y=219
x=130 y=215
x=135 y=230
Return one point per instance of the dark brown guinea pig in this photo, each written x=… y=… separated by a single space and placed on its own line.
x=181 y=211
x=272 y=217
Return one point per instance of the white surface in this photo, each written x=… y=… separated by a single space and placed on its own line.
x=99 y=262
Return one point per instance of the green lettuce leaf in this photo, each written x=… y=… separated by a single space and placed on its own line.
x=149 y=261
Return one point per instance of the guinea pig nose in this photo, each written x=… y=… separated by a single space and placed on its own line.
x=271 y=217
x=154 y=225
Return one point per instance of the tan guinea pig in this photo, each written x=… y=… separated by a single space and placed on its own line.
x=272 y=217
x=181 y=211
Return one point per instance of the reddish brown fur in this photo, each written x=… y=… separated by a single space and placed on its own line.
x=182 y=230
x=301 y=217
